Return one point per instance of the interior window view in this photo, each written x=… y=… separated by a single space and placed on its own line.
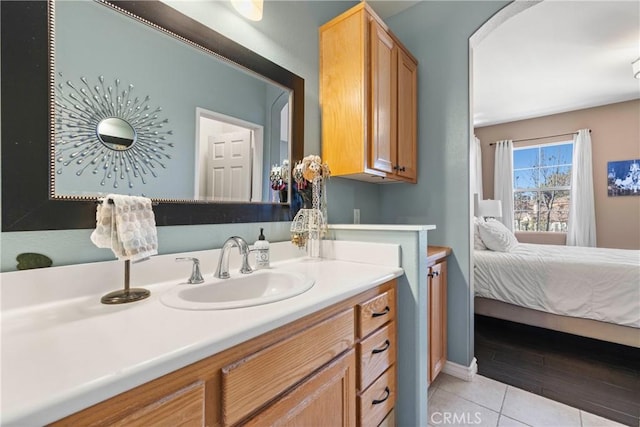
x=541 y=187
x=320 y=213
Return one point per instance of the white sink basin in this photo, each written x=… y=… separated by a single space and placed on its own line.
x=241 y=290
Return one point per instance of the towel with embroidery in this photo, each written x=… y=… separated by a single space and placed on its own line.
x=127 y=226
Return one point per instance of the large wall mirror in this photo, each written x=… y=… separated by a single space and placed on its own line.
x=194 y=120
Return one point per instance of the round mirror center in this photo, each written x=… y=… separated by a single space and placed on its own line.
x=116 y=133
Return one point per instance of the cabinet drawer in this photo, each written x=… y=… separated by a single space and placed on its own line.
x=251 y=382
x=377 y=401
x=389 y=420
x=376 y=354
x=184 y=408
x=376 y=312
x=327 y=398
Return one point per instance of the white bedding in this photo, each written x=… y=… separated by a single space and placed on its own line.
x=594 y=283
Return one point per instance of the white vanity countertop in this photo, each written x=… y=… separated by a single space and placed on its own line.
x=62 y=356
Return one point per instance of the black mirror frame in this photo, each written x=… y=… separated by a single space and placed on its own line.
x=26 y=96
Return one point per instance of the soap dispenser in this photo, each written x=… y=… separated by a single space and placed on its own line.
x=261 y=246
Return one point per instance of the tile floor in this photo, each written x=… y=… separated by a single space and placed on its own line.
x=485 y=402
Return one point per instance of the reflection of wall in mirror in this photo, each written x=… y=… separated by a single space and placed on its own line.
x=275 y=154
x=176 y=76
x=284 y=132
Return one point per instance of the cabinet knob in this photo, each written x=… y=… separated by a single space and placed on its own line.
x=398 y=168
x=434 y=274
x=381 y=313
x=387 y=394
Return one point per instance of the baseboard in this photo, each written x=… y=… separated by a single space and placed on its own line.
x=466 y=373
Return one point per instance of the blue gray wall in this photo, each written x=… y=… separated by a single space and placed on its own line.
x=437 y=33
x=287 y=35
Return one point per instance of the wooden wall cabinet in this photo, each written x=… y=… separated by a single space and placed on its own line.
x=368 y=97
x=334 y=367
x=437 y=290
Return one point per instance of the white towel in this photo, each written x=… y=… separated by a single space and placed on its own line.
x=127 y=227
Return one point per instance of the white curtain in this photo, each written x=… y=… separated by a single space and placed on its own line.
x=476 y=168
x=503 y=180
x=581 y=229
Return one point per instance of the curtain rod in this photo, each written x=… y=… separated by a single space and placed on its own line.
x=541 y=137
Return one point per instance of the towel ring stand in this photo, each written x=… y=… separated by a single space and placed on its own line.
x=127 y=294
x=123 y=296
x=110 y=201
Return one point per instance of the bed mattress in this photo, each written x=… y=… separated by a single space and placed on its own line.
x=594 y=283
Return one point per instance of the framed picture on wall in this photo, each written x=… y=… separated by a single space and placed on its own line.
x=623 y=178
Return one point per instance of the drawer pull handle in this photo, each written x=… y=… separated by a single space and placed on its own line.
x=387 y=344
x=381 y=313
x=378 y=401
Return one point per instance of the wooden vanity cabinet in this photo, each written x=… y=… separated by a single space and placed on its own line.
x=334 y=367
x=368 y=97
x=437 y=293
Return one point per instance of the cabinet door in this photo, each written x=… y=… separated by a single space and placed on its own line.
x=253 y=380
x=437 y=318
x=407 y=117
x=384 y=66
x=328 y=398
x=344 y=94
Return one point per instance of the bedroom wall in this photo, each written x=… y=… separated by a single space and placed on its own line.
x=615 y=135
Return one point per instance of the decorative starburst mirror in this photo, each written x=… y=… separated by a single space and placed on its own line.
x=105 y=130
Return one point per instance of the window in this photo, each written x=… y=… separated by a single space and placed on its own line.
x=541 y=186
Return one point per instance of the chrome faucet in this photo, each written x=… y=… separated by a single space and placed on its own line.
x=222 y=272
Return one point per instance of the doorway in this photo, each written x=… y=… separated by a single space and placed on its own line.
x=228 y=158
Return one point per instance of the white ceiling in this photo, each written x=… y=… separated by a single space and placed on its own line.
x=557 y=56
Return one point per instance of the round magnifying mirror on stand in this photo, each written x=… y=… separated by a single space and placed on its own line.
x=116 y=133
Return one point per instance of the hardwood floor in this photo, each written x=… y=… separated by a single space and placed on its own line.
x=592 y=375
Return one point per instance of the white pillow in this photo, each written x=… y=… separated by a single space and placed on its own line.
x=496 y=236
x=478 y=244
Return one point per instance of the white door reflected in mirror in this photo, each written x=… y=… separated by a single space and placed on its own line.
x=229 y=167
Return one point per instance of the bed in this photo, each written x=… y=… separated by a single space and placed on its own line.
x=593 y=292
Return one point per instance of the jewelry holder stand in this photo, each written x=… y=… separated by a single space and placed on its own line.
x=307 y=230
x=309 y=225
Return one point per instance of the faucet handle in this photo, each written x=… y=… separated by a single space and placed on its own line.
x=196 y=276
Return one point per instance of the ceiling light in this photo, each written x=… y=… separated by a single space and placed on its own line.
x=636 y=68
x=250 y=9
